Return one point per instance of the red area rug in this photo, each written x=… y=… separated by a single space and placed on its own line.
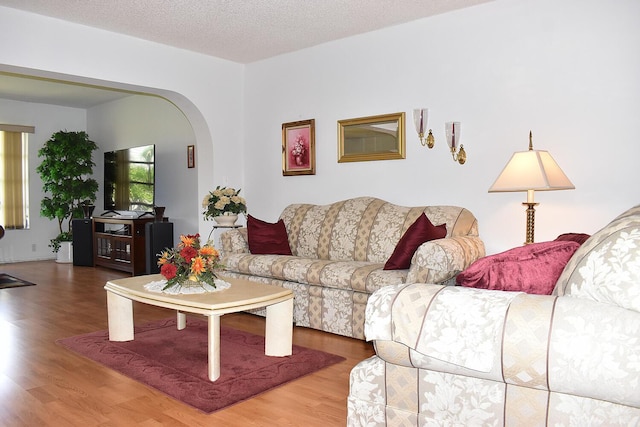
x=175 y=362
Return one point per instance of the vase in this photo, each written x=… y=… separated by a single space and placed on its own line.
x=88 y=210
x=226 y=220
x=158 y=213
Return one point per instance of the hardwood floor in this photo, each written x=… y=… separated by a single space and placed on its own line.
x=43 y=384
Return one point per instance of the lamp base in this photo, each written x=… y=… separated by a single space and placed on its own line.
x=531 y=219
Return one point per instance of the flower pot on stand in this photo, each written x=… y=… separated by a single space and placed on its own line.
x=226 y=220
x=65 y=253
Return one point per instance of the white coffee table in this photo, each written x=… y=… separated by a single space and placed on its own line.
x=242 y=295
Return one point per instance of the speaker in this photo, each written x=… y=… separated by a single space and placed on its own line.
x=82 y=241
x=158 y=236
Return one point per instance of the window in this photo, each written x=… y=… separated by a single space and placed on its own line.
x=14 y=176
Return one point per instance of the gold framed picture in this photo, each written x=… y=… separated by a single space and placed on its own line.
x=299 y=148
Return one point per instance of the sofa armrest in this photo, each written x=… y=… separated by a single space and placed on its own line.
x=235 y=241
x=439 y=260
x=561 y=344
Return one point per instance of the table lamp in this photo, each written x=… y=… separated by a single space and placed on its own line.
x=532 y=170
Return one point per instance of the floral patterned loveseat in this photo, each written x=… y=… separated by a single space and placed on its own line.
x=459 y=356
x=339 y=251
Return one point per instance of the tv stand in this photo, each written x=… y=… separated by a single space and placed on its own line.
x=119 y=243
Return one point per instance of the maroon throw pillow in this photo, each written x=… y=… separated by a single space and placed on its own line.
x=266 y=238
x=573 y=237
x=422 y=230
x=533 y=268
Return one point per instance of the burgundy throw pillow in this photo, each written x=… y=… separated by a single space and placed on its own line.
x=533 y=268
x=573 y=237
x=422 y=230
x=266 y=238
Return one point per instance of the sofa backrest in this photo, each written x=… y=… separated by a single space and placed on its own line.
x=363 y=228
x=606 y=268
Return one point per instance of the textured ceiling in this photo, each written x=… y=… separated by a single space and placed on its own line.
x=242 y=31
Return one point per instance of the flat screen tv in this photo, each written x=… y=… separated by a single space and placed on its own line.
x=129 y=179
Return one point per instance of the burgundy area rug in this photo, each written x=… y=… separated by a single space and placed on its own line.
x=175 y=362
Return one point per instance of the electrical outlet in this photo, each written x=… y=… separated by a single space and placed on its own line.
x=33 y=247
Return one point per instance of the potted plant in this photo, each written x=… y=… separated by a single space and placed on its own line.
x=223 y=205
x=66 y=171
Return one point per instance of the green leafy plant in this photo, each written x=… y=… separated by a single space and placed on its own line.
x=66 y=171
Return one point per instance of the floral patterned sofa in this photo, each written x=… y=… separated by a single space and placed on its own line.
x=338 y=253
x=449 y=356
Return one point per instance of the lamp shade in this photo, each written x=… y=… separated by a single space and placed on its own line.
x=531 y=170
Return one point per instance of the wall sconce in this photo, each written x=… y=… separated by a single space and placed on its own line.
x=452 y=132
x=421 y=119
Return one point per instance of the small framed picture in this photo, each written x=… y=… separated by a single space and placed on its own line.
x=191 y=156
x=299 y=148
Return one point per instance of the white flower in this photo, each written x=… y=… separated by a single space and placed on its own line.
x=223 y=200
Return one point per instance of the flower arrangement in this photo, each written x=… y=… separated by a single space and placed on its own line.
x=299 y=147
x=190 y=261
x=223 y=200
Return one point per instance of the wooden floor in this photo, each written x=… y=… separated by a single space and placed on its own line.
x=43 y=384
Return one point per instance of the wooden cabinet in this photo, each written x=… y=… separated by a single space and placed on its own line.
x=119 y=243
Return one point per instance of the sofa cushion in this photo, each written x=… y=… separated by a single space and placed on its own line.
x=359 y=276
x=573 y=237
x=266 y=238
x=533 y=268
x=422 y=230
x=606 y=268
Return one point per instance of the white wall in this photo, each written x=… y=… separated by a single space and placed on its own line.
x=207 y=90
x=142 y=120
x=567 y=70
x=17 y=245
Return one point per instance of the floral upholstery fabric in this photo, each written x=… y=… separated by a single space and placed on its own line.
x=606 y=267
x=339 y=251
x=569 y=359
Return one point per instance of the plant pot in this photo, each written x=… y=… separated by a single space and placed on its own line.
x=226 y=220
x=65 y=253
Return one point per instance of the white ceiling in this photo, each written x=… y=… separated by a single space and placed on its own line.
x=242 y=31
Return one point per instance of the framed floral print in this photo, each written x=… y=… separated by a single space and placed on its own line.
x=299 y=148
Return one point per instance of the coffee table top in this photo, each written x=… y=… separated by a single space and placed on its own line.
x=242 y=295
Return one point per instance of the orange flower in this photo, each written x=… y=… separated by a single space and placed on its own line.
x=163 y=258
x=187 y=241
x=197 y=265
x=209 y=251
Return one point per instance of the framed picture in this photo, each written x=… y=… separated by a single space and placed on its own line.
x=191 y=156
x=371 y=138
x=299 y=148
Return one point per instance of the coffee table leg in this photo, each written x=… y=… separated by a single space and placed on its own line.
x=181 y=320
x=279 y=329
x=214 y=347
x=120 y=317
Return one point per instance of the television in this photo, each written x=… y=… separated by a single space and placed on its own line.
x=129 y=179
